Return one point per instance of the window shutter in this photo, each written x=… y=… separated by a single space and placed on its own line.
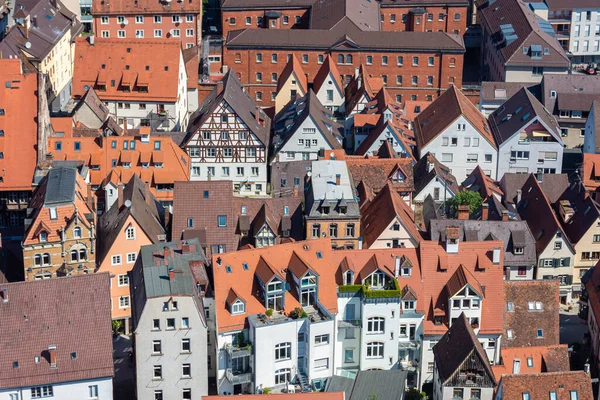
x=569 y=279
x=566 y=261
x=541 y=262
x=556 y=262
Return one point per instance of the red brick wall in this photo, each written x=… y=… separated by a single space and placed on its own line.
x=245 y=65
x=236 y=20
x=448 y=24
x=148 y=26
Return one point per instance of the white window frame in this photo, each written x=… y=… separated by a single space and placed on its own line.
x=376 y=350
x=116 y=259
x=375 y=325
x=130 y=233
x=122 y=301
x=123 y=280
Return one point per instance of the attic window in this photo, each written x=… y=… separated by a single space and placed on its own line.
x=228 y=269
x=15 y=364
x=206 y=194
x=103 y=66
x=73 y=356
x=319 y=254
x=510 y=306
x=437 y=320
x=147 y=68
x=166 y=67
x=245 y=266
x=129 y=49
x=518 y=250
x=127 y=67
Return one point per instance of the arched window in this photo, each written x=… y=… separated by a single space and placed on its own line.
x=74 y=256
x=375 y=350
x=376 y=325
x=46 y=259
x=37 y=259
x=82 y=254
x=77 y=232
x=43 y=236
x=78 y=253
x=349 y=59
x=340 y=59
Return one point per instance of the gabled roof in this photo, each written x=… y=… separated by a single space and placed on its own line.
x=571 y=92
x=523 y=322
x=591 y=171
x=361 y=84
x=93 y=102
x=364 y=14
x=520 y=111
x=594 y=115
x=376 y=172
x=386 y=207
x=586 y=215
x=456 y=346
x=444 y=111
x=429 y=168
x=232 y=93
x=291 y=117
x=142 y=206
x=478 y=181
x=387 y=151
x=404 y=138
x=528 y=28
x=293 y=68
x=72 y=314
x=536 y=209
x=327 y=68
x=461 y=278
x=539 y=386
x=553 y=185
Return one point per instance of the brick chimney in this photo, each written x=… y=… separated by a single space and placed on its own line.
x=485 y=210
x=171 y=274
x=147 y=193
x=504 y=215
x=165 y=252
x=463 y=212
x=52 y=353
x=120 y=194
x=338 y=179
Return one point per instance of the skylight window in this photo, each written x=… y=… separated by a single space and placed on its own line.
x=228 y=269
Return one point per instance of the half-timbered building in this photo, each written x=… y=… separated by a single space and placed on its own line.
x=228 y=139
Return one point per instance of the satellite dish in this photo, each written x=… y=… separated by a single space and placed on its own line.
x=28 y=45
x=332 y=154
x=127 y=203
x=309 y=173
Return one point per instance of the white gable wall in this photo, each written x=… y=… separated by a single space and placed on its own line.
x=292 y=150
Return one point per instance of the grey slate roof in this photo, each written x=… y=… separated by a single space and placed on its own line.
x=519 y=111
x=296 y=112
x=386 y=385
x=61 y=186
x=245 y=108
x=511 y=233
x=429 y=168
x=489 y=90
x=147 y=213
x=51 y=24
x=345 y=31
x=156 y=267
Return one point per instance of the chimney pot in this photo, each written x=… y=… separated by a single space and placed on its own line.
x=485 y=210
x=171 y=274
x=52 y=352
x=338 y=179
x=165 y=252
x=504 y=215
x=463 y=212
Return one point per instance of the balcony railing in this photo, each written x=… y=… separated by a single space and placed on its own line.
x=238 y=377
x=238 y=352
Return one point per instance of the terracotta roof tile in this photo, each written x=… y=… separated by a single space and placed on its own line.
x=539 y=386
x=145 y=7
x=18 y=100
x=543 y=358
x=72 y=314
x=293 y=67
x=376 y=172
x=120 y=55
x=478 y=181
x=327 y=68
x=428 y=168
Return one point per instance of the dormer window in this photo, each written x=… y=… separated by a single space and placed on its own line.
x=408 y=305
x=274 y=286
x=396 y=227
x=325 y=210
x=77 y=232
x=43 y=236
x=437 y=320
x=238 y=307
x=343 y=209
x=348 y=278
x=376 y=280
x=518 y=250
x=309 y=280
x=405 y=271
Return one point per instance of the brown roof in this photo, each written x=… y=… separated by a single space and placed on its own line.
x=72 y=314
x=190 y=201
x=18 y=94
x=553 y=185
x=457 y=346
x=362 y=13
x=143 y=207
x=376 y=172
x=145 y=7
x=191 y=58
x=478 y=181
x=345 y=32
x=539 y=386
x=524 y=322
x=443 y=111
x=543 y=358
x=536 y=209
x=107 y=59
x=526 y=26
x=586 y=211
x=377 y=215
x=499 y=92
x=294 y=67
x=429 y=168
x=327 y=68
x=519 y=111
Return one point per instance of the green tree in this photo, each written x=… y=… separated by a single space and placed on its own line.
x=465 y=198
x=414 y=394
x=373 y=396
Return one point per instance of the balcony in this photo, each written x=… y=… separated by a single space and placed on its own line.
x=238 y=352
x=369 y=294
x=350 y=323
x=238 y=377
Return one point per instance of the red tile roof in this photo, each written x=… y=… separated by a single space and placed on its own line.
x=544 y=358
x=478 y=181
x=72 y=314
x=539 y=386
x=18 y=100
x=379 y=213
x=591 y=171
x=293 y=67
x=474 y=257
x=327 y=67
x=128 y=57
x=376 y=172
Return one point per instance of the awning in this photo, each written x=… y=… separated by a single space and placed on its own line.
x=540 y=134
